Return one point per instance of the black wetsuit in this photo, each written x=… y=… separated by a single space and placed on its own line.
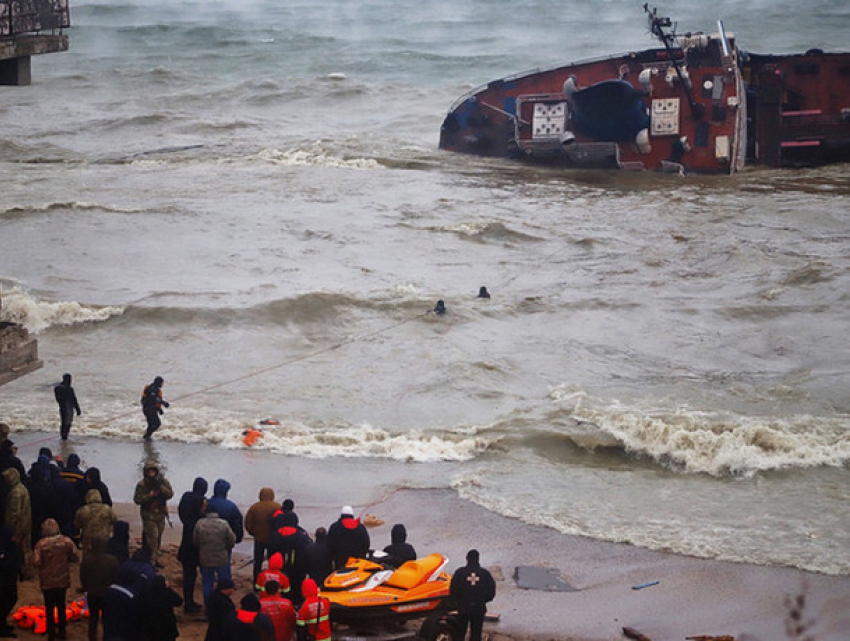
x=67 y=400
x=152 y=404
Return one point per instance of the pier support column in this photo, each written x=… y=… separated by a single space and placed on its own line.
x=16 y=71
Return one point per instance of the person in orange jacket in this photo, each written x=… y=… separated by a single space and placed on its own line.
x=314 y=616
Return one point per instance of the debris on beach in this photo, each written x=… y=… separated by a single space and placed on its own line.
x=370 y=520
x=530 y=577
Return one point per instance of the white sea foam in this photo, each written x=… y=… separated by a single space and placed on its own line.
x=314 y=155
x=37 y=315
x=715 y=442
x=189 y=425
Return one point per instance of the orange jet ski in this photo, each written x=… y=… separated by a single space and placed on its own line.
x=372 y=591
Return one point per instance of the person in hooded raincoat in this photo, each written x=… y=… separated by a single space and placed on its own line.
x=94 y=519
x=258 y=525
x=18 y=516
x=400 y=550
x=314 y=615
x=227 y=509
x=190 y=509
x=472 y=588
x=52 y=557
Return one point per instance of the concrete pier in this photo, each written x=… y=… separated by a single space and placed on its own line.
x=18 y=351
x=28 y=28
x=16 y=55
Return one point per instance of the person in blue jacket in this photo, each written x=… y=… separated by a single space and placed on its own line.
x=226 y=509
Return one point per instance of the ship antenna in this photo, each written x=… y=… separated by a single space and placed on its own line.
x=657 y=24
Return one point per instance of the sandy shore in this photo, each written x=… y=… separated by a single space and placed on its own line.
x=692 y=597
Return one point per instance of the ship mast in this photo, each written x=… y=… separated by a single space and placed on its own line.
x=657 y=24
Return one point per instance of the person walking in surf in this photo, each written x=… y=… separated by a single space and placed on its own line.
x=67 y=400
x=152 y=404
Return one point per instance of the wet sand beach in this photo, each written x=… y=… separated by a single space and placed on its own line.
x=692 y=596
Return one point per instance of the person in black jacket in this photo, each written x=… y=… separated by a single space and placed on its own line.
x=158 y=617
x=400 y=550
x=219 y=607
x=119 y=545
x=152 y=404
x=94 y=482
x=11 y=562
x=471 y=589
x=291 y=542
x=121 y=608
x=347 y=537
x=190 y=510
x=67 y=400
x=248 y=623
x=317 y=557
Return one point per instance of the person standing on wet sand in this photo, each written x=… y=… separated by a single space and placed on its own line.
x=67 y=400
x=152 y=404
x=151 y=495
x=471 y=589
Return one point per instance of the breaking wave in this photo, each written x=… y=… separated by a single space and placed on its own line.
x=714 y=442
x=186 y=424
x=22 y=211
x=37 y=315
x=314 y=155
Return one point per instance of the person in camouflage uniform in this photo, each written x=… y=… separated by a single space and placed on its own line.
x=18 y=515
x=151 y=495
x=94 y=519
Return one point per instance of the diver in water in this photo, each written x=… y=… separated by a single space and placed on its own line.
x=483 y=293
x=440 y=308
x=152 y=404
x=67 y=400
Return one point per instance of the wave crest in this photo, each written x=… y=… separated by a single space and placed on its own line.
x=717 y=443
x=314 y=155
x=37 y=315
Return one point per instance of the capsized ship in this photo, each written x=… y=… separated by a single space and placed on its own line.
x=697 y=104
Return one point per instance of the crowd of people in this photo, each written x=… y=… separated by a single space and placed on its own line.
x=56 y=514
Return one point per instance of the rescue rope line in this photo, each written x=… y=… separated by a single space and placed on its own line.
x=504 y=282
x=270 y=368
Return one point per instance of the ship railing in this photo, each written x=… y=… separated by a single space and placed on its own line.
x=33 y=16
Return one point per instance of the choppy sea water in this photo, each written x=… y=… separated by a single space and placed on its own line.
x=247 y=199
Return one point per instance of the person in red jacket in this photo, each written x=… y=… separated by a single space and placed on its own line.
x=314 y=616
x=274 y=572
x=279 y=610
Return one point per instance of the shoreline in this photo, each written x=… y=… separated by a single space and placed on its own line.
x=692 y=596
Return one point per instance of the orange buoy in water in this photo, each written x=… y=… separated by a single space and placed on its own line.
x=249 y=437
